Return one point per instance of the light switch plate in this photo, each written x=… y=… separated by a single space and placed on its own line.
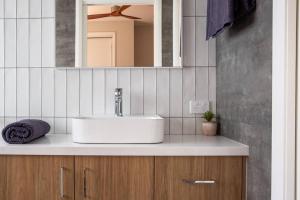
x=198 y=107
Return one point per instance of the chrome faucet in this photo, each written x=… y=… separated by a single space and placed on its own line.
x=118 y=102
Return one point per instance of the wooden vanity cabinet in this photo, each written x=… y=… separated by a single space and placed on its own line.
x=114 y=178
x=207 y=178
x=121 y=178
x=36 y=178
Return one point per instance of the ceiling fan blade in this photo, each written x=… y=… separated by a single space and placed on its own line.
x=124 y=7
x=130 y=17
x=97 y=16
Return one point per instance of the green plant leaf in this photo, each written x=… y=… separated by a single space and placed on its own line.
x=208 y=116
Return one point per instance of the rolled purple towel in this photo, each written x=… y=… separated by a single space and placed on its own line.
x=25 y=131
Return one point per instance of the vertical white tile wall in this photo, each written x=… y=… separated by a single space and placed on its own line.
x=98 y=92
x=30 y=86
x=22 y=92
x=124 y=82
x=149 y=92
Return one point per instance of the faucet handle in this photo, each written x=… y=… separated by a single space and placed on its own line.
x=118 y=91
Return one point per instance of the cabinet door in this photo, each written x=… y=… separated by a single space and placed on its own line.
x=3 y=173
x=114 y=178
x=38 y=177
x=205 y=178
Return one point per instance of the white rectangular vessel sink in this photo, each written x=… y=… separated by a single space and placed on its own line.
x=111 y=129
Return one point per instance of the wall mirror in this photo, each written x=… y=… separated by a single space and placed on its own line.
x=118 y=33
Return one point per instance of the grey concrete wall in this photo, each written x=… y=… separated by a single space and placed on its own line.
x=65 y=33
x=244 y=93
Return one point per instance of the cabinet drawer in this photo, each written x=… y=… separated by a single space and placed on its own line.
x=205 y=178
x=36 y=178
x=114 y=178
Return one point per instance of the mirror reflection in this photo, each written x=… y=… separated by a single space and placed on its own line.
x=120 y=35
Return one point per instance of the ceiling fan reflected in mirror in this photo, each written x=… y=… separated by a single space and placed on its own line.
x=116 y=11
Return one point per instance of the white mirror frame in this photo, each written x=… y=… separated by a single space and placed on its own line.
x=80 y=45
x=177 y=33
x=81 y=11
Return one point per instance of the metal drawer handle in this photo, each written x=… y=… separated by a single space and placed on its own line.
x=62 y=182
x=194 y=182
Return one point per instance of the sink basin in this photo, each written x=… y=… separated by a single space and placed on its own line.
x=111 y=129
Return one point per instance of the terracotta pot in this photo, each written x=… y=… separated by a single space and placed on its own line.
x=209 y=128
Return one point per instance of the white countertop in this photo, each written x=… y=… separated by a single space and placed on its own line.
x=188 y=145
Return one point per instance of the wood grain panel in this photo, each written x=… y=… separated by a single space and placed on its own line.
x=227 y=172
x=22 y=177
x=114 y=178
x=39 y=177
x=51 y=178
x=3 y=173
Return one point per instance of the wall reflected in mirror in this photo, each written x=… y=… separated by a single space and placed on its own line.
x=120 y=35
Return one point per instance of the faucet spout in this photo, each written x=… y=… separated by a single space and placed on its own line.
x=118 y=102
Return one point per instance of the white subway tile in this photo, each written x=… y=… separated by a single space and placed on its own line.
x=199 y=126
x=2 y=8
x=202 y=83
x=98 y=92
x=69 y=125
x=201 y=7
x=137 y=87
x=176 y=126
x=2 y=123
x=2 y=42
x=23 y=92
x=167 y=126
x=163 y=92
x=60 y=125
x=201 y=43
x=86 y=92
x=35 y=92
x=35 y=43
x=176 y=92
x=10 y=8
x=2 y=93
x=10 y=92
x=73 y=93
x=47 y=92
x=124 y=83
x=48 y=8
x=189 y=126
x=111 y=85
x=22 y=43
x=22 y=8
x=150 y=91
x=212 y=88
x=212 y=53
x=10 y=42
x=9 y=120
x=48 y=42
x=189 y=41
x=188 y=89
x=35 y=8
x=189 y=7
x=50 y=121
x=60 y=93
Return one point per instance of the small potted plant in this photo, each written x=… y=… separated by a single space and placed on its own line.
x=209 y=127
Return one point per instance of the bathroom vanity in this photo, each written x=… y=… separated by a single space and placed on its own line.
x=182 y=167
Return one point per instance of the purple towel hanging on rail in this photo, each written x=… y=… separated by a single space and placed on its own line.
x=222 y=13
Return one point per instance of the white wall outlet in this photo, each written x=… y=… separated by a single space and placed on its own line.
x=198 y=107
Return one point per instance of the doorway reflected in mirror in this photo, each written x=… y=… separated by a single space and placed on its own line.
x=120 y=36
